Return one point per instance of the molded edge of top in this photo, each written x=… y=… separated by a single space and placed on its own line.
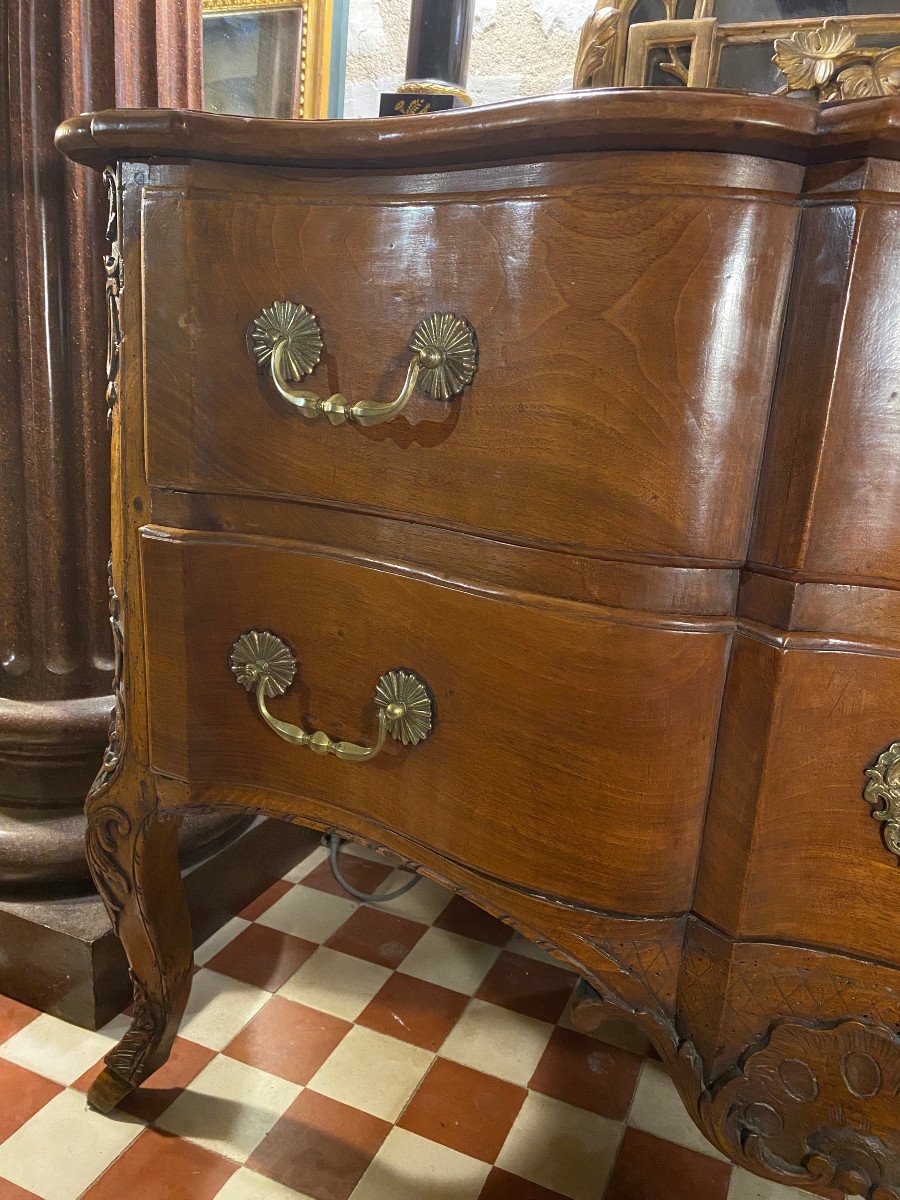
x=569 y=122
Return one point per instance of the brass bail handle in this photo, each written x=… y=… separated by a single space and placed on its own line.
x=262 y=663
x=287 y=339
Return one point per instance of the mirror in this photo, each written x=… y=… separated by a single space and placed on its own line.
x=315 y=58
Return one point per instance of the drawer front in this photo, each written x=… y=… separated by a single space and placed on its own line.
x=570 y=753
x=627 y=345
x=792 y=851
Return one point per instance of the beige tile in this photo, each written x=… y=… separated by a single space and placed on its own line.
x=372 y=1072
x=248 y=1185
x=60 y=1051
x=497 y=1041
x=218 y=1009
x=61 y=1151
x=335 y=983
x=658 y=1109
x=229 y=1108
x=425 y=902
x=307 y=865
x=408 y=1167
x=219 y=940
x=528 y=949
x=614 y=1032
x=308 y=913
x=454 y=962
x=377 y=856
x=563 y=1148
x=745 y=1186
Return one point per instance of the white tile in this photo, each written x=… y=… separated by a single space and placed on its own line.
x=218 y=1009
x=560 y=1147
x=219 y=940
x=307 y=865
x=308 y=913
x=229 y=1108
x=60 y=1051
x=657 y=1108
x=372 y=1072
x=497 y=1041
x=377 y=856
x=247 y=1185
x=63 y=1148
x=335 y=983
x=424 y=903
x=409 y=1167
x=452 y=961
x=745 y=1186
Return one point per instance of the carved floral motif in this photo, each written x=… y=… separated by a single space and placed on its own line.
x=112 y=756
x=112 y=264
x=828 y=61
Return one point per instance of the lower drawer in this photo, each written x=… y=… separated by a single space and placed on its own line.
x=571 y=749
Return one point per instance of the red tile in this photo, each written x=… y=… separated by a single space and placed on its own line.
x=377 y=936
x=464 y=1109
x=257 y=907
x=288 y=1039
x=360 y=873
x=320 y=1147
x=589 y=1074
x=500 y=1185
x=173 y=1169
x=13 y=1017
x=536 y=989
x=646 y=1163
x=265 y=957
x=11 y=1191
x=473 y=922
x=415 y=1011
x=152 y=1098
x=24 y=1094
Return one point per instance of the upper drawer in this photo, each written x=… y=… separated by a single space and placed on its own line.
x=627 y=346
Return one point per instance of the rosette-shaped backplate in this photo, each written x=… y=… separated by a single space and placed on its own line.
x=259 y=654
x=406 y=702
x=448 y=351
x=294 y=326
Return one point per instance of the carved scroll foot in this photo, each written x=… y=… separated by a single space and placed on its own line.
x=134 y=862
x=815 y=1106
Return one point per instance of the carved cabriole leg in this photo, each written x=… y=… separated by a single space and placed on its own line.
x=133 y=858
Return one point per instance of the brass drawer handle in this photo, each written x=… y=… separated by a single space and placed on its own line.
x=287 y=338
x=262 y=663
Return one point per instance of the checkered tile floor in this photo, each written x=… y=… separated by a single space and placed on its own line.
x=333 y=1051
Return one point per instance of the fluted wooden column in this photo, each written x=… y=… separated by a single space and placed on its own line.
x=61 y=57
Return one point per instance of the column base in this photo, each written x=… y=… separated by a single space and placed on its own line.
x=61 y=956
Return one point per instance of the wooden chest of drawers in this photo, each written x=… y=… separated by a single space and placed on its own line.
x=519 y=491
